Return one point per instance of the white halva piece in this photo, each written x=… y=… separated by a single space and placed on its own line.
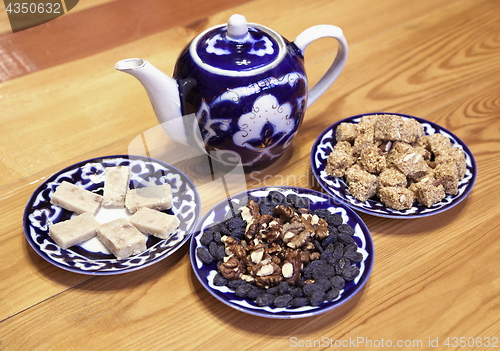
x=74 y=231
x=155 y=223
x=75 y=199
x=158 y=197
x=115 y=186
x=122 y=238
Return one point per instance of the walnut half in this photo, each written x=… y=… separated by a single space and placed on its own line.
x=292 y=267
x=232 y=268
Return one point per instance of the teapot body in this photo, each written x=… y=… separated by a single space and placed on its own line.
x=250 y=118
x=239 y=91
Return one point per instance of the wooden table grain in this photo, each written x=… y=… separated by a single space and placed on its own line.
x=435 y=280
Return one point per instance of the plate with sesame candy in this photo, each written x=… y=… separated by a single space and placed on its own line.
x=395 y=166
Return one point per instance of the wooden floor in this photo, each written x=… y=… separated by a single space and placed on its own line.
x=62 y=101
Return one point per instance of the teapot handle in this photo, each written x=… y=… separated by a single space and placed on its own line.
x=324 y=31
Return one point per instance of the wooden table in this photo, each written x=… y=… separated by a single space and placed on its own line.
x=61 y=101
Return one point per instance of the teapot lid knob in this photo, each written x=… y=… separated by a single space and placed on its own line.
x=237 y=27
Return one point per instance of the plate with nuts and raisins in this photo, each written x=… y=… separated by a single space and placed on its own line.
x=393 y=165
x=282 y=252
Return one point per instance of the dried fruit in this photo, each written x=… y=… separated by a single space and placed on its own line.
x=282 y=300
x=317 y=298
x=264 y=300
x=332 y=294
x=243 y=289
x=299 y=302
x=206 y=237
x=281 y=253
x=350 y=272
x=337 y=282
x=204 y=255
x=219 y=280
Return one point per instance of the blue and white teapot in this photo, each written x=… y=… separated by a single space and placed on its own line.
x=239 y=90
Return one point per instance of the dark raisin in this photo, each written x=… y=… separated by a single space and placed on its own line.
x=204 y=255
x=350 y=247
x=242 y=290
x=276 y=197
x=334 y=219
x=322 y=212
x=220 y=227
x=354 y=256
x=283 y=288
x=340 y=265
x=326 y=256
x=212 y=247
x=318 y=246
x=206 y=237
x=330 y=248
x=238 y=233
x=266 y=209
x=338 y=251
x=296 y=292
x=255 y=292
x=264 y=300
x=310 y=289
x=346 y=229
x=332 y=294
x=221 y=252
x=331 y=260
x=282 y=300
x=317 y=298
x=223 y=229
x=217 y=237
x=345 y=239
x=273 y=290
x=350 y=272
x=233 y=284
x=333 y=229
x=324 y=284
x=235 y=222
x=219 y=280
x=324 y=271
x=299 y=302
x=308 y=271
x=302 y=202
x=337 y=282
x=330 y=239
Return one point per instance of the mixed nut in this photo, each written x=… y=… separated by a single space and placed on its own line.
x=279 y=252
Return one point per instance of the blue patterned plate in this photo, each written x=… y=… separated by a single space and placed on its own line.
x=337 y=187
x=226 y=209
x=92 y=257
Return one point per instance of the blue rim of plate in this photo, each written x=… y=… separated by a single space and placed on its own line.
x=40 y=213
x=205 y=273
x=337 y=187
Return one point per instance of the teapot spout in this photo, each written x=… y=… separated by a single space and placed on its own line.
x=163 y=93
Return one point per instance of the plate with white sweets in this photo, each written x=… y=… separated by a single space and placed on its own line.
x=111 y=215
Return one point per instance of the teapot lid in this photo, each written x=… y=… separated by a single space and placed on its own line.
x=238 y=48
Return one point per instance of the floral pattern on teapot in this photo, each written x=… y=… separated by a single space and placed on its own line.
x=263 y=132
